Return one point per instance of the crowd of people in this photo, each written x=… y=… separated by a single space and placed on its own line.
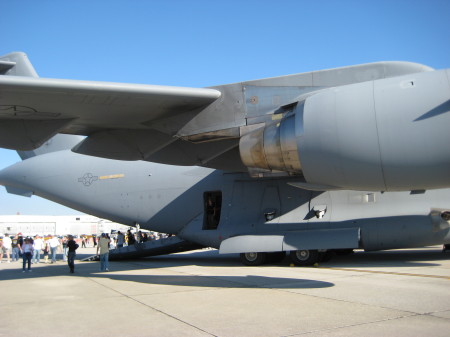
x=30 y=249
x=122 y=240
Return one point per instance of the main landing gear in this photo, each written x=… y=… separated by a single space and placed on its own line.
x=257 y=259
x=304 y=257
x=253 y=259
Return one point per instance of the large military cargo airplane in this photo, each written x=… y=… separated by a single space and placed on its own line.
x=353 y=157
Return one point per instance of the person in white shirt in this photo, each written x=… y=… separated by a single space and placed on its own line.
x=103 y=248
x=53 y=243
x=37 y=245
x=120 y=239
x=27 y=253
x=6 y=248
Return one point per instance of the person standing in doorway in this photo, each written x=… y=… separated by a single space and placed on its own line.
x=103 y=248
x=72 y=246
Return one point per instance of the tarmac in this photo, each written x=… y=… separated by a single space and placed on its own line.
x=202 y=293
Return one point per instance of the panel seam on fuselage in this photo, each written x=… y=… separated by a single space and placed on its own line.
x=378 y=135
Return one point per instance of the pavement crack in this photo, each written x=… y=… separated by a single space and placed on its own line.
x=153 y=308
x=350 y=325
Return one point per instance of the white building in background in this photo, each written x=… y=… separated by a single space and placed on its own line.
x=30 y=225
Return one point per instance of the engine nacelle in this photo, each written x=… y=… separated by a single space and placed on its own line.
x=390 y=134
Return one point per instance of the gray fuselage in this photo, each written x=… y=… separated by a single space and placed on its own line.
x=207 y=206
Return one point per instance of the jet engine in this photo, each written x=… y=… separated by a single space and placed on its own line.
x=389 y=134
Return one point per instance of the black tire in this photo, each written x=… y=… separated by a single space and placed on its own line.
x=276 y=257
x=304 y=257
x=326 y=256
x=253 y=259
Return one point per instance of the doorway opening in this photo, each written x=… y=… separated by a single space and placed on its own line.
x=212 y=207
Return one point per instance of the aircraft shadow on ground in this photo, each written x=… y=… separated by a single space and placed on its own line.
x=394 y=259
x=91 y=270
x=246 y=282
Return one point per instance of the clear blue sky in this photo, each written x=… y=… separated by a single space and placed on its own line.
x=201 y=43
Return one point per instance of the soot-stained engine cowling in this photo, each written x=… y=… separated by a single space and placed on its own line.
x=274 y=147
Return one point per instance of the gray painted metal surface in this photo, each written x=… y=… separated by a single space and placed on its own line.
x=362 y=127
x=319 y=148
x=295 y=240
x=171 y=199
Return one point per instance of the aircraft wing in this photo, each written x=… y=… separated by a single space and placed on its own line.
x=33 y=109
x=379 y=126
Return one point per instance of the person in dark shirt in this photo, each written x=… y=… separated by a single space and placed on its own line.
x=130 y=237
x=20 y=243
x=64 y=246
x=72 y=246
x=15 y=253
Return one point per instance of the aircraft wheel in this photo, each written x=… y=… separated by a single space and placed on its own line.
x=253 y=259
x=304 y=257
x=326 y=256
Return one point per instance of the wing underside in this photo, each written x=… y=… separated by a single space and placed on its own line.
x=173 y=125
x=79 y=107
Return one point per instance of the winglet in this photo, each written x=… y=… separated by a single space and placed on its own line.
x=16 y=64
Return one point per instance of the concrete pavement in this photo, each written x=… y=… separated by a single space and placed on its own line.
x=392 y=293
